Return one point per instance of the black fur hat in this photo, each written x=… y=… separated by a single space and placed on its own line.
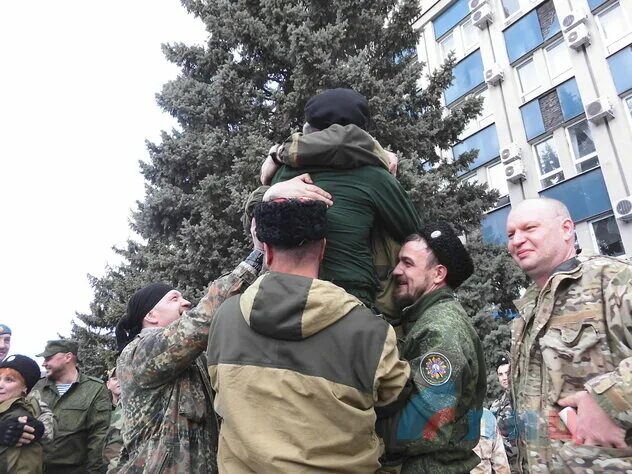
x=450 y=252
x=289 y=223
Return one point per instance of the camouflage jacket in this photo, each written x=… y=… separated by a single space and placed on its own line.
x=83 y=416
x=490 y=448
x=25 y=459
x=168 y=422
x=439 y=426
x=47 y=418
x=113 y=439
x=502 y=409
x=573 y=335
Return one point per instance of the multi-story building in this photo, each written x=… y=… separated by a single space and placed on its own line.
x=556 y=78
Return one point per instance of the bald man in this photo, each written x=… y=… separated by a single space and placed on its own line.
x=571 y=347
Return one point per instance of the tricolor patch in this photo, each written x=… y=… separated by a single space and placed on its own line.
x=435 y=368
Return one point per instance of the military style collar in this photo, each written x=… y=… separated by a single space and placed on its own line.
x=567 y=265
x=419 y=307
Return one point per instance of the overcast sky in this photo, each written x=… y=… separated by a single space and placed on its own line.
x=78 y=80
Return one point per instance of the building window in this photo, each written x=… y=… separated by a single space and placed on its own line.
x=548 y=163
x=510 y=7
x=531 y=31
x=485 y=118
x=551 y=109
x=628 y=102
x=606 y=236
x=528 y=76
x=582 y=146
x=558 y=61
x=496 y=180
x=450 y=17
x=621 y=68
x=485 y=141
x=613 y=25
x=461 y=40
x=468 y=74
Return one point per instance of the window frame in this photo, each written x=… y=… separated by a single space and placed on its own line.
x=555 y=80
x=522 y=63
x=614 y=45
x=548 y=175
x=571 y=149
x=500 y=165
x=593 y=235
x=458 y=38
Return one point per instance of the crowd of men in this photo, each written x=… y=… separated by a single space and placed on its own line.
x=291 y=362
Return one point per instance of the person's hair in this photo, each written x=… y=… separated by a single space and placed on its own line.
x=433 y=260
x=307 y=251
x=13 y=373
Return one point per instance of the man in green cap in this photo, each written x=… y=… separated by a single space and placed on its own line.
x=82 y=406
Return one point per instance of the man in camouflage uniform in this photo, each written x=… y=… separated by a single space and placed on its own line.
x=82 y=407
x=571 y=347
x=113 y=439
x=439 y=426
x=502 y=408
x=168 y=420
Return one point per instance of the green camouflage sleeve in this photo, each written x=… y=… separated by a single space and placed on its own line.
x=161 y=355
x=98 y=422
x=613 y=390
x=439 y=371
x=47 y=418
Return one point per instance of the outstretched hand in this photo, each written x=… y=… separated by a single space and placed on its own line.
x=594 y=425
x=298 y=187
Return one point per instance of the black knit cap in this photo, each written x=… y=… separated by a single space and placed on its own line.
x=340 y=106
x=450 y=252
x=289 y=223
x=26 y=367
x=502 y=360
x=141 y=303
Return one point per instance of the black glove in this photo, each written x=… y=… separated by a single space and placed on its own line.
x=11 y=430
x=38 y=426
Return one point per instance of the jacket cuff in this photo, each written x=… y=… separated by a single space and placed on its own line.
x=607 y=391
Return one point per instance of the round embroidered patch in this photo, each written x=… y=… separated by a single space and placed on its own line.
x=435 y=368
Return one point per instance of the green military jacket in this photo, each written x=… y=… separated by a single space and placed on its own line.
x=349 y=164
x=440 y=424
x=83 y=416
x=573 y=334
x=25 y=459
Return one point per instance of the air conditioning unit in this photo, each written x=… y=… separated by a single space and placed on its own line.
x=494 y=74
x=578 y=36
x=514 y=171
x=482 y=15
x=623 y=209
x=510 y=153
x=598 y=110
x=474 y=4
x=574 y=18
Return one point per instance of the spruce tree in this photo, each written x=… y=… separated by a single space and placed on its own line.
x=246 y=89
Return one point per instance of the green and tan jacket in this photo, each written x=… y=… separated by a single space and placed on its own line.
x=168 y=422
x=83 y=415
x=573 y=334
x=25 y=459
x=299 y=366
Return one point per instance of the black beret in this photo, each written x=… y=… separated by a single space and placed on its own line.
x=337 y=106
x=25 y=366
x=289 y=223
x=502 y=360
x=450 y=252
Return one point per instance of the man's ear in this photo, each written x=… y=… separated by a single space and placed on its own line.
x=323 y=246
x=568 y=227
x=441 y=274
x=268 y=254
x=150 y=318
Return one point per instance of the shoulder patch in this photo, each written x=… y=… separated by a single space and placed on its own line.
x=435 y=368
